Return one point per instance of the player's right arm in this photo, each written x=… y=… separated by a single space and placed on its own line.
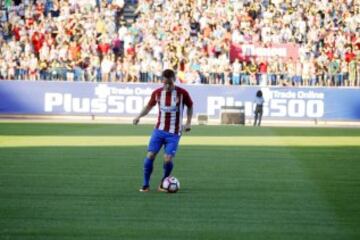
x=146 y=109
x=143 y=113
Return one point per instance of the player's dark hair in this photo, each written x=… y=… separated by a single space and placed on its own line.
x=259 y=93
x=168 y=74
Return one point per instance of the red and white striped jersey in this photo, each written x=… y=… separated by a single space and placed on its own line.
x=171 y=106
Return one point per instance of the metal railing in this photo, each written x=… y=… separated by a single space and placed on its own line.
x=269 y=79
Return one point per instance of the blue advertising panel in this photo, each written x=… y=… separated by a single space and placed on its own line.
x=126 y=100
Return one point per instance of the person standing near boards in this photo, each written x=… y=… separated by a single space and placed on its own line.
x=259 y=101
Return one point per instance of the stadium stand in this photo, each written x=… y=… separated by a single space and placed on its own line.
x=250 y=42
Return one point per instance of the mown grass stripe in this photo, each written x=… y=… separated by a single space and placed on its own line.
x=35 y=141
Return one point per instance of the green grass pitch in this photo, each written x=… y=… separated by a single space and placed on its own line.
x=81 y=181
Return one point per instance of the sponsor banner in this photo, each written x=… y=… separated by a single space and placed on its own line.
x=127 y=100
x=246 y=51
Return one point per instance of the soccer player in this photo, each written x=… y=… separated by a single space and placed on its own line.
x=171 y=100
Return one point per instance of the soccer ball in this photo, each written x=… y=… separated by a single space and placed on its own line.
x=171 y=184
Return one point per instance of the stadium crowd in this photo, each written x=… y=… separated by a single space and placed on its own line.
x=89 y=40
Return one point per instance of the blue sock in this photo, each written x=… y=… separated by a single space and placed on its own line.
x=148 y=168
x=168 y=166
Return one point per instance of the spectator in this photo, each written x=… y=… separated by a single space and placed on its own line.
x=259 y=102
x=236 y=72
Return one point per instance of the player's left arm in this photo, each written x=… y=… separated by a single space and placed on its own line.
x=189 y=112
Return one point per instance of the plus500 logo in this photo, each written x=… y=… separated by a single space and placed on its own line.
x=311 y=108
x=57 y=102
x=295 y=108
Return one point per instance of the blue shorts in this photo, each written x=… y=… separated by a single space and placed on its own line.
x=160 y=138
